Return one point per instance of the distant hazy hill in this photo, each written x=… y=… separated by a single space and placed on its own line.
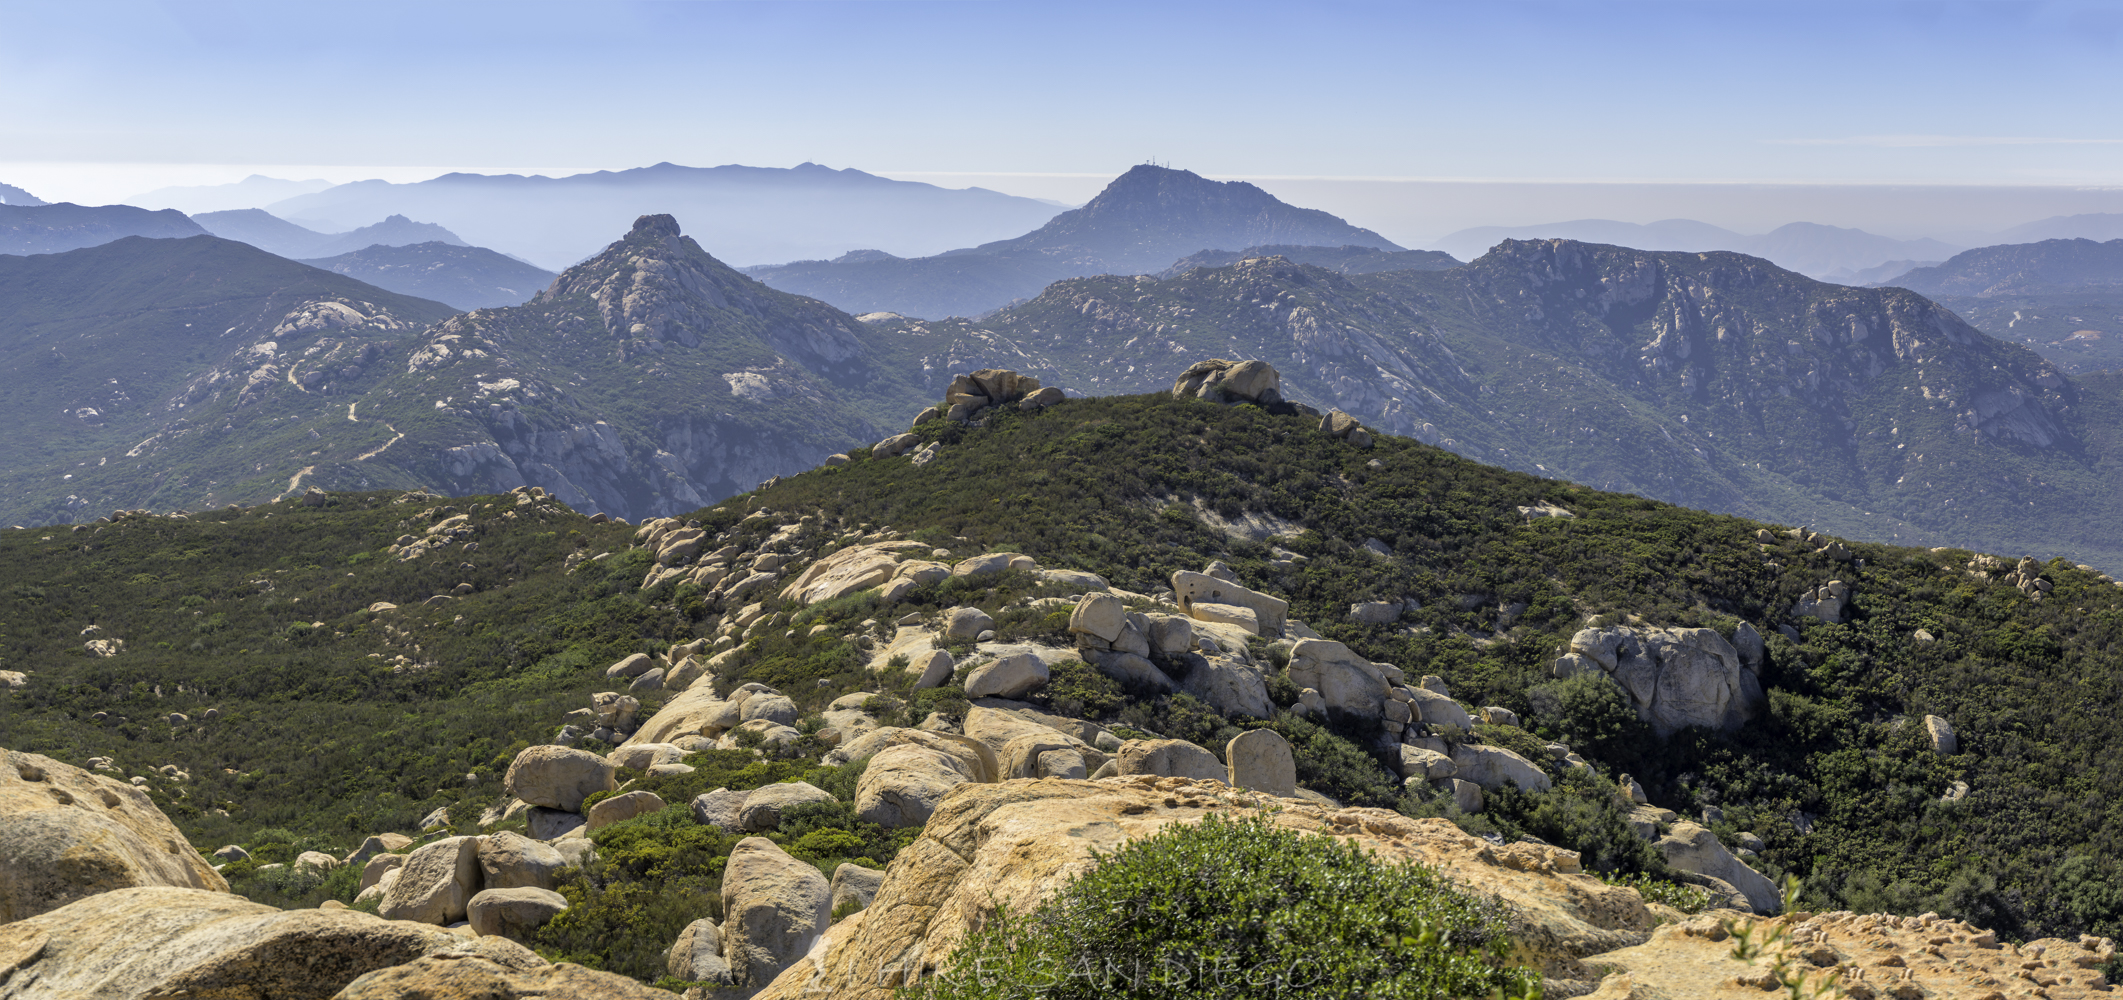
x=2093 y=226
x=249 y=192
x=750 y=215
x=1346 y=260
x=1825 y=252
x=269 y=232
x=649 y=379
x=12 y=195
x=2051 y=265
x=1142 y=222
x=465 y=277
x=39 y=229
x=1714 y=380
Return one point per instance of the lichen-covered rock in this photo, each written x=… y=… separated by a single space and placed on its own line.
x=66 y=834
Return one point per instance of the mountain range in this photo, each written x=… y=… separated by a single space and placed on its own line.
x=203 y=371
x=1713 y=380
x=12 y=195
x=465 y=277
x=1826 y=252
x=756 y=214
x=39 y=229
x=2063 y=298
x=276 y=235
x=249 y=192
x=1141 y=223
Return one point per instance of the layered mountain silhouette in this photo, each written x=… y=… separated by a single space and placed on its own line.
x=756 y=214
x=465 y=277
x=1827 y=252
x=1142 y=222
x=1345 y=260
x=649 y=379
x=273 y=234
x=12 y=195
x=2051 y=265
x=1714 y=380
x=42 y=229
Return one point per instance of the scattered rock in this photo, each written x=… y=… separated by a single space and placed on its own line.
x=905 y=782
x=855 y=886
x=514 y=913
x=435 y=883
x=1221 y=381
x=1422 y=763
x=967 y=623
x=1675 y=678
x=1492 y=767
x=1345 y=681
x=764 y=807
x=1012 y=676
x=1692 y=848
x=1189 y=587
x=622 y=807
x=551 y=824
x=1262 y=760
x=1828 y=602
x=558 y=777
x=774 y=909
x=381 y=843
x=1169 y=759
x=1943 y=741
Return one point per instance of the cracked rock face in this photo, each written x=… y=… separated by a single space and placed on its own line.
x=1675 y=678
x=66 y=834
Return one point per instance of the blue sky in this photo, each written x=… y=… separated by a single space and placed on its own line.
x=1850 y=92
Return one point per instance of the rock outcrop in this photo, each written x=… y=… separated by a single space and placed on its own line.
x=1675 y=678
x=177 y=942
x=66 y=834
x=1692 y=848
x=557 y=777
x=905 y=781
x=1221 y=381
x=1015 y=843
x=1829 y=602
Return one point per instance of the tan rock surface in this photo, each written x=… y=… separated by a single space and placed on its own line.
x=453 y=975
x=66 y=833
x=695 y=712
x=1016 y=842
x=858 y=567
x=1881 y=957
x=170 y=942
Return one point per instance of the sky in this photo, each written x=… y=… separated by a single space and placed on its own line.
x=1387 y=107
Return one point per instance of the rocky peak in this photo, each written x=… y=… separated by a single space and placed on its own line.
x=655 y=227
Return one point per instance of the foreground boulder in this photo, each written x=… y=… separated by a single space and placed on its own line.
x=774 y=908
x=66 y=834
x=904 y=782
x=1013 y=844
x=476 y=971
x=435 y=884
x=513 y=913
x=1169 y=759
x=172 y=942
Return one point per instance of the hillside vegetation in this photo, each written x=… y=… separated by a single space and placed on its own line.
x=318 y=738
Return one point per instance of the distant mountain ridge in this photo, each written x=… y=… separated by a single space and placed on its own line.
x=276 y=235
x=1825 y=252
x=12 y=195
x=2050 y=265
x=250 y=192
x=1344 y=260
x=1144 y=220
x=650 y=379
x=1713 y=380
x=465 y=277
x=42 y=229
x=756 y=214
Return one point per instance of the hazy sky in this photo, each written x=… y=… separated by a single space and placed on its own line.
x=105 y=99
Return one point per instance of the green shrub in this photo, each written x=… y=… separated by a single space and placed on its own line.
x=1685 y=898
x=1592 y=715
x=1238 y=910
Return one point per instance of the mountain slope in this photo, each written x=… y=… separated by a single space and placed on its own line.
x=465 y=277
x=273 y=234
x=759 y=214
x=1825 y=252
x=1714 y=380
x=1345 y=260
x=41 y=229
x=2091 y=226
x=645 y=380
x=1142 y=222
x=2062 y=298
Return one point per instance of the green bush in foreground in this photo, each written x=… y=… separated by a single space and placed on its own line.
x=1240 y=909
